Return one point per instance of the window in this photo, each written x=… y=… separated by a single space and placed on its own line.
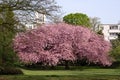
x=113 y=34
x=115 y=27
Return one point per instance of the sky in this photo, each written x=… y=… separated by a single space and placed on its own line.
x=107 y=10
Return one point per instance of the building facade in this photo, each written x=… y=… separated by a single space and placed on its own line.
x=39 y=19
x=110 y=31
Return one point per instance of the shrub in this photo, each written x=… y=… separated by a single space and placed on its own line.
x=10 y=70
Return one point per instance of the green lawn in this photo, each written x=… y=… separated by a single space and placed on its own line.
x=86 y=74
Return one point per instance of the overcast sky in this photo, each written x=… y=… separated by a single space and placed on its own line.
x=107 y=10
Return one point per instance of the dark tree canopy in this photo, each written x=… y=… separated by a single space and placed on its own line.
x=54 y=44
x=7 y=32
x=77 y=19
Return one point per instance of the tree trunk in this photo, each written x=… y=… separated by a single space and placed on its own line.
x=67 y=65
x=52 y=67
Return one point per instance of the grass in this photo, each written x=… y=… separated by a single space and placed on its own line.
x=85 y=74
x=89 y=72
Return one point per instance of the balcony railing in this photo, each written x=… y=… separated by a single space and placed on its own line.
x=112 y=37
x=113 y=30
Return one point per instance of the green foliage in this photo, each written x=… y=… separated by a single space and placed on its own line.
x=7 y=33
x=115 y=52
x=115 y=43
x=77 y=19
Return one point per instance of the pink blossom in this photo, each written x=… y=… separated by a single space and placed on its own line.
x=52 y=44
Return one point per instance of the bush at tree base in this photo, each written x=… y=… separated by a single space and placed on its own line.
x=54 y=44
x=10 y=71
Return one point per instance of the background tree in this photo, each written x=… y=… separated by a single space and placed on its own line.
x=95 y=23
x=77 y=19
x=56 y=19
x=8 y=30
x=25 y=10
x=61 y=43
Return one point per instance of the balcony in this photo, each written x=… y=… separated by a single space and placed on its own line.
x=114 y=31
x=111 y=37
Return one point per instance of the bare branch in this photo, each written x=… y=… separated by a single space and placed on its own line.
x=24 y=9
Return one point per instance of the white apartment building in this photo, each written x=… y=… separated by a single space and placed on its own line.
x=110 y=31
x=39 y=19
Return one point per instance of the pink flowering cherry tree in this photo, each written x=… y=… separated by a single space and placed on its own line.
x=57 y=43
